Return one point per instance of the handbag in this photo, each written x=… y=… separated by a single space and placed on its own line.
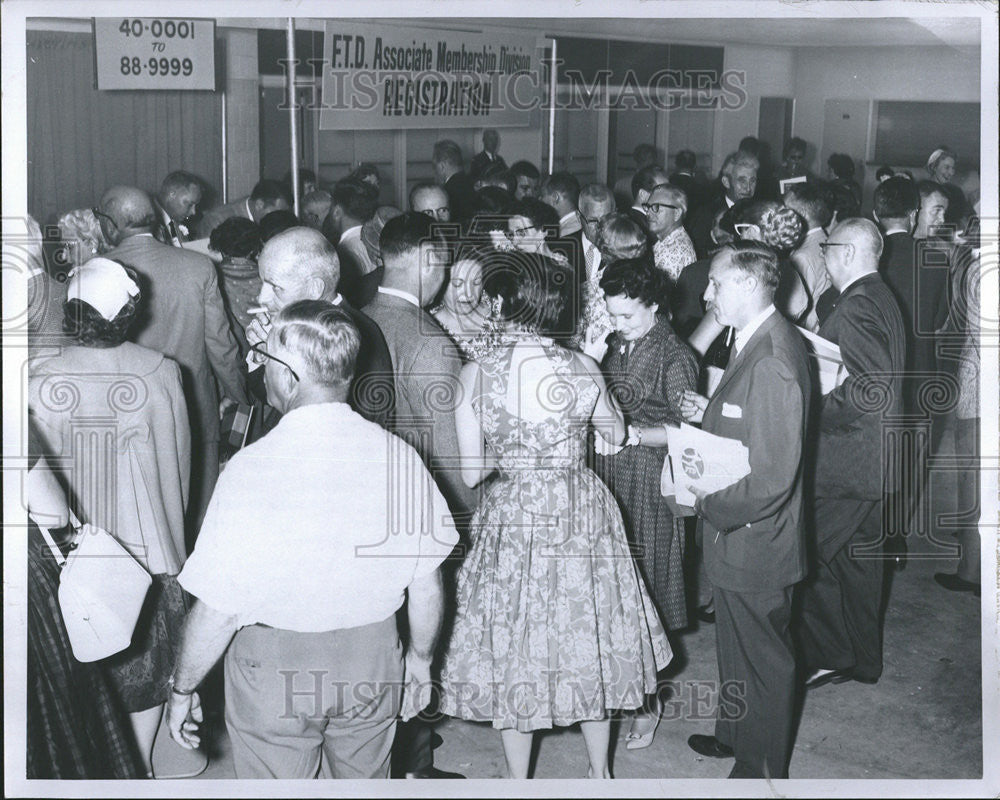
x=102 y=589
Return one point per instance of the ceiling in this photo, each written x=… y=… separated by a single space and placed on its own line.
x=799 y=32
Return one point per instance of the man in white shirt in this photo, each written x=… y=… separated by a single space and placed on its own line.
x=301 y=566
x=665 y=210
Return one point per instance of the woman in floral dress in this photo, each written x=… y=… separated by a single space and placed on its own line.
x=553 y=625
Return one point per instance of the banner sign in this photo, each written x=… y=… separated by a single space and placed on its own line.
x=154 y=53
x=380 y=76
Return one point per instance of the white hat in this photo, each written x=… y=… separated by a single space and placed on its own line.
x=103 y=284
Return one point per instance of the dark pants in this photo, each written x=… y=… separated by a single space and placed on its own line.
x=757 y=679
x=839 y=627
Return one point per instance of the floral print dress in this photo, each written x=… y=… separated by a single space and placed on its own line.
x=553 y=625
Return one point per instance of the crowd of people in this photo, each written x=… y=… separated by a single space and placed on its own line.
x=383 y=460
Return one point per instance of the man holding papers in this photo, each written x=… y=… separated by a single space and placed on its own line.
x=840 y=634
x=753 y=529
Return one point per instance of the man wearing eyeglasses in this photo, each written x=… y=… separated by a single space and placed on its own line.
x=300 y=570
x=432 y=200
x=596 y=203
x=665 y=211
x=738 y=180
x=839 y=630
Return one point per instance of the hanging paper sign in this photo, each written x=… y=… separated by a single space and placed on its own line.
x=379 y=76
x=154 y=53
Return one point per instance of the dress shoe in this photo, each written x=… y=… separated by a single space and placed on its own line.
x=706 y=614
x=640 y=741
x=709 y=746
x=433 y=773
x=953 y=583
x=839 y=676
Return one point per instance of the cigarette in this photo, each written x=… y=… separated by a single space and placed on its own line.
x=257 y=310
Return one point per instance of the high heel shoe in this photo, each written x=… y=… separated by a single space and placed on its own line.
x=637 y=741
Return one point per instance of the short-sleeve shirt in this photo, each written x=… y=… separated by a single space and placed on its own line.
x=320 y=525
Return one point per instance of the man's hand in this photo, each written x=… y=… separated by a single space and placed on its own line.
x=416 y=686
x=700 y=494
x=259 y=328
x=693 y=406
x=183 y=717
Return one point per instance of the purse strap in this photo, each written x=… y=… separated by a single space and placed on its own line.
x=57 y=554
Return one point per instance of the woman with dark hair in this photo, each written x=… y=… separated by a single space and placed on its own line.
x=531 y=224
x=648 y=368
x=238 y=240
x=115 y=411
x=553 y=625
x=466 y=311
x=841 y=173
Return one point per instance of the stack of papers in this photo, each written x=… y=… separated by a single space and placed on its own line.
x=829 y=362
x=703 y=460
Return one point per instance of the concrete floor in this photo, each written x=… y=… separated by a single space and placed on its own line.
x=922 y=720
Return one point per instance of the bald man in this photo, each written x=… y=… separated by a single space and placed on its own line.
x=839 y=629
x=301 y=264
x=183 y=317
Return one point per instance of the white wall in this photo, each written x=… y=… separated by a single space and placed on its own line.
x=886 y=73
x=769 y=73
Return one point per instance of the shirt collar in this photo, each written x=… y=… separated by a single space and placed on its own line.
x=409 y=298
x=567 y=217
x=891 y=231
x=748 y=330
x=249 y=212
x=729 y=203
x=353 y=232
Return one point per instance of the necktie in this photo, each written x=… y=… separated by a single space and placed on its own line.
x=589 y=258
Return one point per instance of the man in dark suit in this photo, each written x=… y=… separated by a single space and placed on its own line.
x=448 y=172
x=739 y=181
x=685 y=177
x=182 y=317
x=353 y=204
x=595 y=204
x=175 y=204
x=839 y=629
x=301 y=264
x=488 y=156
x=753 y=529
x=426 y=368
x=920 y=284
x=267 y=196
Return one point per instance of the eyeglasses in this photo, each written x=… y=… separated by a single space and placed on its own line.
x=520 y=233
x=656 y=208
x=98 y=213
x=824 y=245
x=259 y=350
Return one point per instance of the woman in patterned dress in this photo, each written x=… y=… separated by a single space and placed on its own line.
x=648 y=368
x=553 y=625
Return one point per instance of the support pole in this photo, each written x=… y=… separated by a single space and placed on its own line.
x=225 y=151
x=552 y=107
x=293 y=121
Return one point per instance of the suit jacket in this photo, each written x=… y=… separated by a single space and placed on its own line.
x=920 y=284
x=686 y=306
x=481 y=161
x=753 y=529
x=355 y=264
x=426 y=364
x=699 y=225
x=867 y=325
x=461 y=196
x=182 y=316
x=372 y=393
x=166 y=230
x=212 y=218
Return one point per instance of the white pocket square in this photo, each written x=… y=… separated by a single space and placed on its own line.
x=731 y=411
